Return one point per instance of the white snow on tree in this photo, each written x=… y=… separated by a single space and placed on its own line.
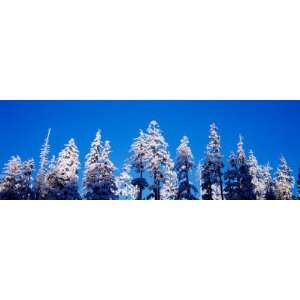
x=246 y=189
x=107 y=183
x=211 y=167
x=62 y=177
x=158 y=158
x=91 y=179
x=125 y=189
x=138 y=161
x=27 y=188
x=169 y=190
x=231 y=177
x=254 y=171
x=39 y=186
x=16 y=180
x=267 y=191
x=284 y=181
x=183 y=166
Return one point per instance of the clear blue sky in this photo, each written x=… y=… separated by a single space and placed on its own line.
x=270 y=128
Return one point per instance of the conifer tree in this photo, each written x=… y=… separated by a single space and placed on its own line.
x=231 y=177
x=27 y=188
x=92 y=172
x=211 y=168
x=256 y=180
x=245 y=186
x=158 y=158
x=62 y=177
x=284 y=181
x=138 y=161
x=16 y=180
x=269 y=186
x=125 y=189
x=11 y=179
x=169 y=190
x=107 y=183
x=39 y=187
x=183 y=166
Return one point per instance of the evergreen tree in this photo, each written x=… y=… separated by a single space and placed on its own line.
x=246 y=189
x=125 y=189
x=11 y=179
x=231 y=177
x=39 y=187
x=27 y=188
x=257 y=179
x=107 y=183
x=138 y=161
x=16 y=180
x=211 y=168
x=284 y=181
x=62 y=178
x=92 y=171
x=158 y=158
x=183 y=166
x=169 y=190
x=269 y=186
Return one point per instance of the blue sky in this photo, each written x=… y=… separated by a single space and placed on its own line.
x=270 y=128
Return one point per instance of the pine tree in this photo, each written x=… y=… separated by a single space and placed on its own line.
x=245 y=186
x=256 y=180
x=107 y=184
x=62 y=178
x=138 y=161
x=211 y=167
x=169 y=190
x=269 y=186
x=39 y=187
x=16 y=180
x=158 y=158
x=231 y=177
x=92 y=171
x=284 y=181
x=27 y=188
x=11 y=179
x=125 y=189
x=183 y=166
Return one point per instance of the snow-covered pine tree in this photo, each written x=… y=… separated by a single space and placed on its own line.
x=27 y=188
x=158 y=158
x=11 y=179
x=39 y=185
x=284 y=181
x=107 y=183
x=16 y=180
x=125 y=189
x=183 y=166
x=256 y=178
x=264 y=176
x=62 y=178
x=169 y=190
x=91 y=179
x=246 y=189
x=211 y=167
x=138 y=161
x=231 y=177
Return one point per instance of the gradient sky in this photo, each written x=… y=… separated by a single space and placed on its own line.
x=270 y=128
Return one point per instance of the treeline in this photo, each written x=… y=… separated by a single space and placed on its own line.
x=149 y=173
